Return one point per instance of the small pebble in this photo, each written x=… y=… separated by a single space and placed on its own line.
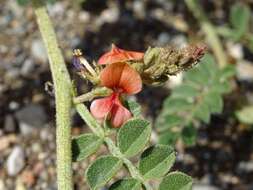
x=204 y=187
x=16 y=161
x=175 y=80
x=9 y=124
x=244 y=71
x=2 y=185
x=245 y=166
x=38 y=50
x=30 y=118
x=13 y=105
x=163 y=39
x=6 y=141
x=27 y=67
x=139 y=9
x=179 y=41
x=109 y=15
x=235 y=50
x=28 y=178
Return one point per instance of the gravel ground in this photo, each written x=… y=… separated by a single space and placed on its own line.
x=223 y=156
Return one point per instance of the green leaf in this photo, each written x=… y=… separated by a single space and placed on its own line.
x=208 y=64
x=176 y=181
x=228 y=32
x=221 y=87
x=199 y=96
x=202 y=112
x=214 y=102
x=156 y=161
x=167 y=121
x=245 y=115
x=85 y=145
x=126 y=184
x=134 y=107
x=133 y=136
x=184 y=91
x=22 y=2
x=169 y=138
x=250 y=42
x=51 y=1
x=197 y=76
x=239 y=18
x=102 y=170
x=175 y=105
x=189 y=135
x=226 y=73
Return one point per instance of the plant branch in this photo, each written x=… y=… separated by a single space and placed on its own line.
x=97 y=92
x=63 y=97
x=90 y=120
x=209 y=30
x=114 y=150
x=131 y=168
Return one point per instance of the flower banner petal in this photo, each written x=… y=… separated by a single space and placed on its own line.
x=130 y=80
x=121 y=76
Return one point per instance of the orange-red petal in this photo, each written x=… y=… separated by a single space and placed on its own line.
x=119 y=114
x=119 y=55
x=101 y=107
x=120 y=76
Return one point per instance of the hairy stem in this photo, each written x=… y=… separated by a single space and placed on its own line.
x=131 y=168
x=209 y=30
x=63 y=97
x=114 y=150
x=90 y=121
x=97 y=92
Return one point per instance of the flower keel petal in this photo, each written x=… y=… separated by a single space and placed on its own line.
x=101 y=107
x=119 y=115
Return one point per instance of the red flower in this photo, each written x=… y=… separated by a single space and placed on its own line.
x=119 y=55
x=122 y=79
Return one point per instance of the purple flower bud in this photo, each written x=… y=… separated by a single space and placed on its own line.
x=76 y=60
x=76 y=63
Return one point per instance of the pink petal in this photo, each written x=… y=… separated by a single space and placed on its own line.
x=101 y=107
x=119 y=114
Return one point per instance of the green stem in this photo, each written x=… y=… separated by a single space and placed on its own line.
x=114 y=150
x=90 y=121
x=131 y=168
x=97 y=92
x=209 y=30
x=63 y=97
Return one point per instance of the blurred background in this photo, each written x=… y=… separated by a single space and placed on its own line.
x=221 y=157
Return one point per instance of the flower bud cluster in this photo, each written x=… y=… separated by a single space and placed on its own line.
x=161 y=62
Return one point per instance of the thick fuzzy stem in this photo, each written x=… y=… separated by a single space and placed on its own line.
x=63 y=97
